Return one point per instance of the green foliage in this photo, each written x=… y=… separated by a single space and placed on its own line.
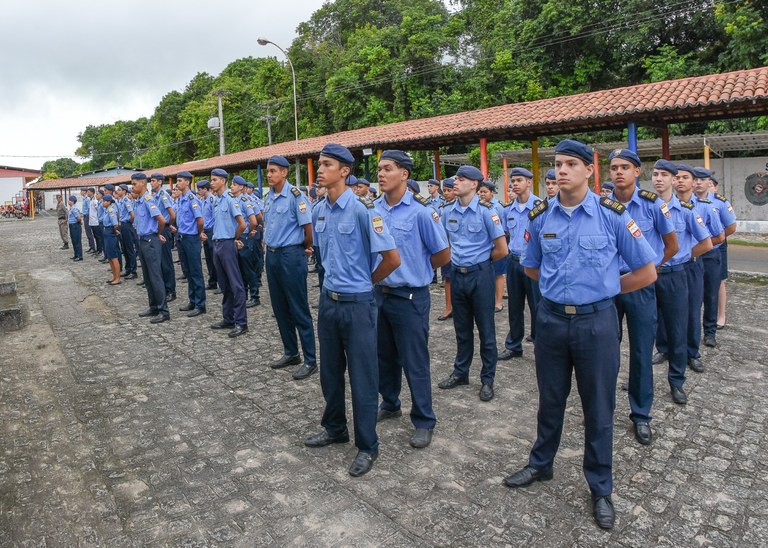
x=60 y=169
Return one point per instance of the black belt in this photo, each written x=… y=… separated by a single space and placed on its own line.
x=223 y=239
x=515 y=257
x=404 y=292
x=571 y=309
x=667 y=269
x=349 y=297
x=195 y=235
x=277 y=249
x=468 y=269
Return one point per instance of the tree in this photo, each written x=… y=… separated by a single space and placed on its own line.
x=62 y=168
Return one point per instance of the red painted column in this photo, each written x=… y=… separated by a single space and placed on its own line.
x=438 y=175
x=484 y=156
x=597 y=173
x=311 y=171
x=506 y=179
x=665 y=143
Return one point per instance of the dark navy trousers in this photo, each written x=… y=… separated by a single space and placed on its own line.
x=76 y=235
x=190 y=257
x=347 y=334
x=228 y=274
x=89 y=233
x=166 y=262
x=587 y=344
x=258 y=258
x=247 y=261
x=319 y=266
x=98 y=237
x=403 y=338
x=639 y=308
x=712 y=279
x=149 y=250
x=520 y=288
x=694 y=277
x=287 y=280
x=473 y=296
x=672 y=309
x=128 y=239
x=208 y=250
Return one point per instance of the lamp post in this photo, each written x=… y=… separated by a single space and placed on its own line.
x=264 y=42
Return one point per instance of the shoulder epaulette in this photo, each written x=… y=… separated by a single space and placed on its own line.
x=613 y=205
x=489 y=205
x=421 y=199
x=449 y=202
x=687 y=205
x=721 y=197
x=506 y=204
x=705 y=201
x=365 y=202
x=243 y=198
x=295 y=191
x=537 y=210
x=648 y=195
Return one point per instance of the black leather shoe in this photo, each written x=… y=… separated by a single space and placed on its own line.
x=443 y=317
x=323 y=438
x=362 y=464
x=170 y=297
x=486 y=392
x=678 y=395
x=103 y=261
x=528 y=339
x=148 y=312
x=131 y=276
x=222 y=325
x=696 y=365
x=643 y=433
x=384 y=414
x=710 y=341
x=602 y=509
x=253 y=302
x=659 y=357
x=421 y=438
x=528 y=475
x=217 y=292
x=196 y=312
x=452 y=382
x=211 y=286
x=237 y=331
x=187 y=307
x=285 y=361
x=509 y=354
x=305 y=371
x=182 y=278
x=160 y=319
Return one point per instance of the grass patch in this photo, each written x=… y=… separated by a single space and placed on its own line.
x=732 y=241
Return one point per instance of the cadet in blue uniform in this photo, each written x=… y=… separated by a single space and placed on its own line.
x=486 y=192
x=84 y=192
x=246 y=254
x=74 y=222
x=433 y=188
x=150 y=223
x=361 y=187
x=207 y=200
x=445 y=270
x=320 y=193
x=476 y=238
x=519 y=286
x=550 y=184
x=575 y=242
x=654 y=219
x=722 y=202
x=98 y=228
x=288 y=237
x=164 y=205
x=227 y=227
x=258 y=239
x=127 y=232
x=672 y=283
x=189 y=226
x=349 y=233
x=111 y=237
x=403 y=296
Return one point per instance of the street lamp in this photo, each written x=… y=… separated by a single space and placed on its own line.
x=264 y=42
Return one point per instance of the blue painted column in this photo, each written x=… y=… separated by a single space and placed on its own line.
x=258 y=175
x=632 y=142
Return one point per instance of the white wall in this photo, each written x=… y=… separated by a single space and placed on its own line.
x=9 y=187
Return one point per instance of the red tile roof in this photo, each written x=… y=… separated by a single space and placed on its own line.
x=72 y=182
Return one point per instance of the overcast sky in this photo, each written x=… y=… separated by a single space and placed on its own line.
x=68 y=64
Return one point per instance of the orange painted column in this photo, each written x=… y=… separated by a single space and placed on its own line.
x=506 y=179
x=311 y=171
x=484 y=156
x=597 y=173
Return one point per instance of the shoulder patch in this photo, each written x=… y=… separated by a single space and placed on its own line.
x=295 y=191
x=537 y=210
x=687 y=205
x=648 y=195
x=451 y=202
x=421 y=199
x=721 y=197
x=366 y=203
x=705 y=201
x=489 y=205
x=613 y=205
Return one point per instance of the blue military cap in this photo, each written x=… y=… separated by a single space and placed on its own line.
x=399 y=157
x=520 y=172
x=203 y=183
x=158 y=176
x=123 y=187
x=279 y=161
x=99 y=191
x=362 y=181
x=701 y=173
x=72 y=198
x=351 y=180
x=433 y=182
x=249 y=184
x=488 y=184
x=313 y=192
x=666 y=165
x=373 y=192
x=139 y=177
x=579 y=150
x=714 y=179
x=550 y=174
x=608 y=185
x=625 y=154
x=108 y=198
x=184 y=175
x=305 y=189
x=470 y=172
x=110 y=187
x=237 y=180
x=84 y=189
x=340 y=153
x=257 y=193
x=218 y=172
x=91 y=189
x=685 y=167
x=448 y=183
x=413 y=185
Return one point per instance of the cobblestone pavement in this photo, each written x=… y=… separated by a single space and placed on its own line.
x=119 y=433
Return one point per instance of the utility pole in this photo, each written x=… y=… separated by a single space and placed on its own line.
x=220 y=93
x=268 y=118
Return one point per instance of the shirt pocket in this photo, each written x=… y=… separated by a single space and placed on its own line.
x=592 y=250
x=400 y=231
x=475 y=232
x=511 y=224
x=347 y=236
x=281 y=208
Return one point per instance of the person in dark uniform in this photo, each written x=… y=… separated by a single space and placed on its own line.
x=61 y=215
x=190 y=231
x=476 y=238
x=150 y=223
x=84 y=192
x=726 y=212
x=227 y=227
x=109 y=190
x=652 y=215
x=258 y=238
x=519 y=286
x=575 y=242
x=403 y=296
x=75 y=222
x=127 y=232
x=112 y=237
x=349 y=234
x=445 y=270
x=486 y=192
x=207 y=200
x=164 y=205
x=246 y=257
x=288 y=238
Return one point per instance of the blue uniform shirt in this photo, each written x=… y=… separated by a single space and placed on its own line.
x=418 y=235
x=226 y=210
x=74 y=213
x=578 y=255
x=285 y=215
x=188 y=210
x=146 y=213
x=517 y=223
x=124 y=208
x=690 y=230
x=652 y=216
x=247 y=209
x=110 y=216
x=437 y=201
x=207 y=206
x=86 y=204
x=724 y=209
x=100 y=211
x=348 y=234
x=710 y=215
x=471 y=231
x=163 y=202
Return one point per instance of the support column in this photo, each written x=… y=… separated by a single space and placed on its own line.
x=367 y=169
x=259 y=179
x=484 y=156
x=535 y=164
x=706 y=154
x=31 y=202
x=665 y=143
x=505 y=165
x=311 y=171
x=596 y=161
x=437 y=170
